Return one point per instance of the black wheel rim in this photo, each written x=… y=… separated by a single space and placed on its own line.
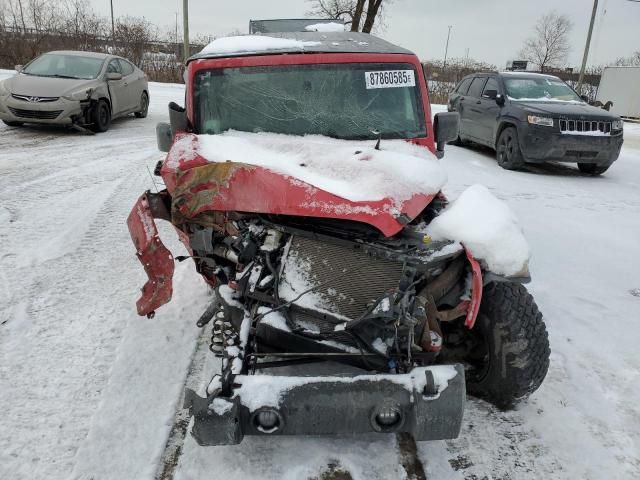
x=505 y=148
x=103 y=116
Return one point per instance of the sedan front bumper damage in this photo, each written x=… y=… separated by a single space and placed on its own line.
x=427 y=403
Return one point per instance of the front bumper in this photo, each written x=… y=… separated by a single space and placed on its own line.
x=58 y=112
x=428 y=403
x=539 y=144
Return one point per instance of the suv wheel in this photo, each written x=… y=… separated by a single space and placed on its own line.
x=101 y=117
x=593 y=169
x=144 y=106
x=508 y=151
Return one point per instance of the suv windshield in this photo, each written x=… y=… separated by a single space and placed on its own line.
x=65 y=66
x=347 y=101
x=540 y=89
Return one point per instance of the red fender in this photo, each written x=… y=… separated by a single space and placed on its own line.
x=155 y=258
x=476 y=291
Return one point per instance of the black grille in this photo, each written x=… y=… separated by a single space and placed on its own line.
x=569 y=126
x=351 y=280
x=37 y=114
x=30 y=98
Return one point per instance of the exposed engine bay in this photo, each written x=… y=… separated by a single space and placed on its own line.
x=329 y=287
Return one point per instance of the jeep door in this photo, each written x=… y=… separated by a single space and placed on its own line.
x=472 y=114
x=488 y=112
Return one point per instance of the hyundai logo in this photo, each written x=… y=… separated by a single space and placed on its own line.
x=34 y=99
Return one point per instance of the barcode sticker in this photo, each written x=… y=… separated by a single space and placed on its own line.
x=390 y=79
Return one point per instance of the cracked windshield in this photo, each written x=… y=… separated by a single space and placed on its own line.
x=348 y=101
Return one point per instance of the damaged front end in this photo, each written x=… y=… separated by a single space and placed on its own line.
x=329 y=315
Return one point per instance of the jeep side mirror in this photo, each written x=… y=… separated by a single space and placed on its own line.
x=18 y=68
x=445 y=128
x=114 y=76
x=490 y=94
x=585 y=98
x=499 y=99
x=164 y=137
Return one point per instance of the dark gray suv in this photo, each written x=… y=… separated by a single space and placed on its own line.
x=531 y=117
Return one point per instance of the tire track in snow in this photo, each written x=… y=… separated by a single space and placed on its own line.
x=62 y=327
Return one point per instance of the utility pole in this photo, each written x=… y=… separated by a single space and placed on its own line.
x=185 y=27
x=113 y=28
x=446 y=50
x=586 y=47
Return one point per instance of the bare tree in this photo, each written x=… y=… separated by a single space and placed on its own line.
x=549 y=46
x=632 y=61
x=351 y=12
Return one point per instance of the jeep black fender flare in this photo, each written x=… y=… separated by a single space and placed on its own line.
x=505 y=122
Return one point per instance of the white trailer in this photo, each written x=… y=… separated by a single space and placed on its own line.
x=621 y=85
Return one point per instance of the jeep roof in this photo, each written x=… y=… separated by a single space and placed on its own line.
x=330 y=42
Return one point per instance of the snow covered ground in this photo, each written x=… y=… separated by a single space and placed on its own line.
x=88 y=389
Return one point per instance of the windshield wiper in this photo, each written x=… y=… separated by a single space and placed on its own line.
x=64 y=76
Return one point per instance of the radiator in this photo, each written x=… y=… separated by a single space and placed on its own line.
x=349 y=281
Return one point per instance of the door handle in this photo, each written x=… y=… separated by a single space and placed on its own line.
x=477 y=103
x=125 y=84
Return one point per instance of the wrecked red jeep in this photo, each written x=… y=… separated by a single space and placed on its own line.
x=350 y=295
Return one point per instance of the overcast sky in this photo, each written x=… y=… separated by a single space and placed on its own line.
x=492 y=30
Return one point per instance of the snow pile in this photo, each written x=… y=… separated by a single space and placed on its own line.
x=591 y=133
x=487 y=227
x=257 y=391
x=276 y=320
x=221 y=406
x=325 y=27
x=353 y=170
x=297 y=278
x=546 y=100
x=254 y=43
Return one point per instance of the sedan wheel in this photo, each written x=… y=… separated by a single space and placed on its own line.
x=144 y=106
x=508 y=151
x=101 y=117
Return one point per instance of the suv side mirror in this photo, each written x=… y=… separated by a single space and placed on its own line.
x=499 y=99
x=585 y=98
x=114 y=76
x=164 y=137
x=18 y=68
x=490 y=94
x=445 y=128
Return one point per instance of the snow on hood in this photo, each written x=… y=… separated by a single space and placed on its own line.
x=353 y=170
x=254 y=43
x=487 y=227
x=325 y=27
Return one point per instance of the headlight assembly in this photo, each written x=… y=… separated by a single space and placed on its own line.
x=617 y=124
x=79 y=95
x=544 y=121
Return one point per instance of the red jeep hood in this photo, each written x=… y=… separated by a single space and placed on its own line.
x=304 y=176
